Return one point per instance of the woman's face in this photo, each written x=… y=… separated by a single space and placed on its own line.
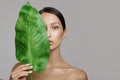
x=54 y=29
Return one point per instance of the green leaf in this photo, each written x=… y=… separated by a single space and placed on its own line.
x=31 y=40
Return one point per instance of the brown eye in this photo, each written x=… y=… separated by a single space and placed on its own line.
x=55 y=27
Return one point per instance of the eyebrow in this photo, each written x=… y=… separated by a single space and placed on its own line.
x=55 y=23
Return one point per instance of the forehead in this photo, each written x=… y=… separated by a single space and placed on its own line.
x=50 y=18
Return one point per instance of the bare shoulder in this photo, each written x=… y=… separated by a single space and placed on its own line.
x=79 y=74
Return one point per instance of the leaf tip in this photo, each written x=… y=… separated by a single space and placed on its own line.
x=28 y=2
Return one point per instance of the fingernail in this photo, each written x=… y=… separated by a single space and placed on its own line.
x=28 y=64
x=30 y=71
x=31 y=66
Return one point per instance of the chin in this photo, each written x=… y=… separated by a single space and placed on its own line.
x=53 y=47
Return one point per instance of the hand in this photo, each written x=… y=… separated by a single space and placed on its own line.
x=20 y=73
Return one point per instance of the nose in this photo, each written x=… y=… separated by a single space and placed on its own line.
x=48 y=33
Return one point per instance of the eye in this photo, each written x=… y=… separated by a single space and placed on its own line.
x=55 y=27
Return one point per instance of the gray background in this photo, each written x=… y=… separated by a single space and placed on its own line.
x=93 y=37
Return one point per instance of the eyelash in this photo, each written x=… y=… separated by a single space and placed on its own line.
x=55 y=27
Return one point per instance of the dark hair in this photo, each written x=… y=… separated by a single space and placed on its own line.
x=55 y=12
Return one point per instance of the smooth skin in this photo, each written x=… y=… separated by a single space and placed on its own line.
x=57 y=68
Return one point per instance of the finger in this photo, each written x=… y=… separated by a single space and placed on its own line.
x=22 y=68
x=21 y=74
x=24 y=73
x=25 y=68
x=23 y=65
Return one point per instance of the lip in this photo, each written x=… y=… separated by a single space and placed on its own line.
x=51 y=42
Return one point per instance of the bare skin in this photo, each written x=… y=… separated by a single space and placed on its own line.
x=57 y=68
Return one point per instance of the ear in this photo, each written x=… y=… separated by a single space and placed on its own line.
x=64 y=33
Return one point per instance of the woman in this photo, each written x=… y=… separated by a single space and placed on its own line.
x=57 y=68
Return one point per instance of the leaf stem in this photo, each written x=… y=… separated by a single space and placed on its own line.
x=31 y=78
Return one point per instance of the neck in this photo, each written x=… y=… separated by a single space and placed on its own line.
x=55 y=58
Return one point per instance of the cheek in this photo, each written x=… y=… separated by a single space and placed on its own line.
x=58 y=36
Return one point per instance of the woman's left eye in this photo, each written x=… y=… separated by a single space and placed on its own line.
x=55 y=27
